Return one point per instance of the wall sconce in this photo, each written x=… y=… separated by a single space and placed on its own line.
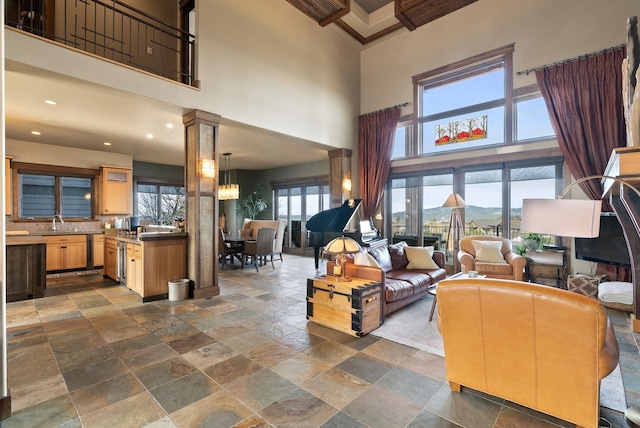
x=208 y=168
x=346 y=184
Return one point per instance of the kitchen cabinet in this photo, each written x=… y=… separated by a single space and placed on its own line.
x=135 y=268
x=7 y=185
x=66 y=252
x=115 y=191
x=97 y=258
x=152 y=260
x=111 y=258
x=26 y=276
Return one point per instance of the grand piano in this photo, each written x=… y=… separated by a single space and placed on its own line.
x=331 y=224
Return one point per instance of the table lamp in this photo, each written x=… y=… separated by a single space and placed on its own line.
x=340 y=247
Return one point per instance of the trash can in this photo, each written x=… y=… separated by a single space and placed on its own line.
x=178 y=289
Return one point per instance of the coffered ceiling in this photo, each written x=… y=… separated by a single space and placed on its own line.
x=369 y=20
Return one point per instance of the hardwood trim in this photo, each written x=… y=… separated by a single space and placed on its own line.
x=434 y=163
x=320 y=179
x=465 y=62
x=5 y=406
x=364 y=40
x=25 y=168
x=335 y=15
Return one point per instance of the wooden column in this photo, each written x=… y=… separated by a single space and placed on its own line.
x=201 y=143
x=340 y=172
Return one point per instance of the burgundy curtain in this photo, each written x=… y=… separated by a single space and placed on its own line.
x=375 y=146
x=584 y=100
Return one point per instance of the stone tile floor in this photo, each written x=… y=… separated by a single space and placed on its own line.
x=90 y=354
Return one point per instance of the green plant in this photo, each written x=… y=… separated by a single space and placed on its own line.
x=530 y=241
x=253 y=203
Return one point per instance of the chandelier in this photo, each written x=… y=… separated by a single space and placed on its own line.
x=228 y=190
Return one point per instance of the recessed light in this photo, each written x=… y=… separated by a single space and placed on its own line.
x=170 y=125
x=149 y=136
x=106 y=143
x=50 y=102
x=36 y=132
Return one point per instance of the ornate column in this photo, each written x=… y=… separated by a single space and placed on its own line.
x=201 y=146
x=340 y=179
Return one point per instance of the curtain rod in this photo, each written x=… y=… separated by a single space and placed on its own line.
x=571 y=59
x=397 y=105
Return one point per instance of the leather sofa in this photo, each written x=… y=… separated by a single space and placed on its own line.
x=401 y=286
x=537 y=346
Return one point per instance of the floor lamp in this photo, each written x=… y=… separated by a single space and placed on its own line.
x=574 y=218
x=456 y=226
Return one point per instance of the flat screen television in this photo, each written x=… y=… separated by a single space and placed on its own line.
x=609 y=247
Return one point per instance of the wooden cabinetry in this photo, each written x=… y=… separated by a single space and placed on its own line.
x=7 y=185
x=115 y=190
x=111 y=258
x=66 y=252
x=97 y=250
x=135 y=268
x=26 y=276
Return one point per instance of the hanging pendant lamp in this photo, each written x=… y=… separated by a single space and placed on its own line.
x=228 y=190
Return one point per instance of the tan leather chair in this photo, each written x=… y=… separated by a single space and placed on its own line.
x=538 y=346
x=511 y=268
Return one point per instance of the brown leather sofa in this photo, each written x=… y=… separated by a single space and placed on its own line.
x=401 y=286
x=538 y=346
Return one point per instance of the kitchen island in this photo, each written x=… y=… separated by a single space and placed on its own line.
x=146 y=262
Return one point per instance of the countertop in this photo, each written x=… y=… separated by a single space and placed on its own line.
x=25 y=240
x=148 y=236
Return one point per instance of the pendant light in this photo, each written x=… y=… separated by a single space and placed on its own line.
x=228 y=190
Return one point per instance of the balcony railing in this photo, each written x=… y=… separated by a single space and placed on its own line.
x=112 y=30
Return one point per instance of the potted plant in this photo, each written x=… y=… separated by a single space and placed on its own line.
x=530 y=241
x=253 y=203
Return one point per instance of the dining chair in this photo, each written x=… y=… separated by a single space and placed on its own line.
x=226 y=250
x=261 y=248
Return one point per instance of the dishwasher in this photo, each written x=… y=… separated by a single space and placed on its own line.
x=122 y=263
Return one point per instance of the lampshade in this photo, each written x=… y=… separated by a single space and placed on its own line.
x=208 y=168
x=454 y=201
x=562 y=217
x=342 y=245
x=228 y=190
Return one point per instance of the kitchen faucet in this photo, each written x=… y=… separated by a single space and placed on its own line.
x=55 y=227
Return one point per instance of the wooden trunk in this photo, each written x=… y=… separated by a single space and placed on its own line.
x=353 y=307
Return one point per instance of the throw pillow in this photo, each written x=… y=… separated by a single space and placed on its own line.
x=365 y=259
x=398 y=257
x=420 y=258
x=488 y=251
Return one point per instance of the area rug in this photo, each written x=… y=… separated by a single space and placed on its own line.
x=411 y=326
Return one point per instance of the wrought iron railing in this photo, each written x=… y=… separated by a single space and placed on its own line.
x=112 y=30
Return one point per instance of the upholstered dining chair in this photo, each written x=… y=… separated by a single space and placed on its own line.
x=261 y=248
x=226 y=250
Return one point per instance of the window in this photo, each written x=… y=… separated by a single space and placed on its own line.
x=160 y=203
x=532 y=119
x=463 y=109
x=297 y=203
x=402 y=141
x=45 y=191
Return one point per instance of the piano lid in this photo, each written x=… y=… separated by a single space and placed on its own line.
x=334 y=219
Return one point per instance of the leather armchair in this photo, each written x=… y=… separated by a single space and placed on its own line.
x=511 y=268
x=538 y=346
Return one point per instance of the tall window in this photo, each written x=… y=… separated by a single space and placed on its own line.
x=483 y=195
x=297 y=203
x=160 y=203
x=532 y=118
x=531 y=182
x=52 y=191
x=464 y=109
